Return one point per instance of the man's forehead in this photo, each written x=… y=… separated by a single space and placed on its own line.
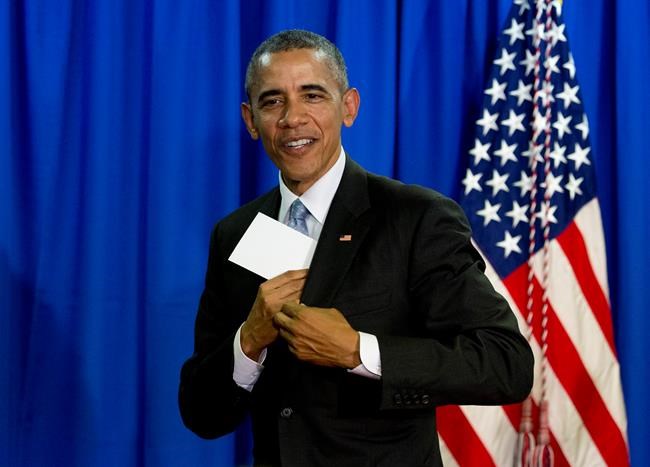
x=317 y=54
x=292 y=63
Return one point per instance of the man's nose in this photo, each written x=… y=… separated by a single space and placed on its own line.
x=293 y=116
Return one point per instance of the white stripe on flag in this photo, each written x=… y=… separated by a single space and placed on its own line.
x=567 y=426
x=588 y=220
x=448 y=459
x=493 y=427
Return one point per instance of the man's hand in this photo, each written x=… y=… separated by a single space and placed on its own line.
x=319 y=335
x=258 y=331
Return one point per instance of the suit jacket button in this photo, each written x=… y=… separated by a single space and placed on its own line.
x=397 y=398
x=287 y=412
x=425 y=399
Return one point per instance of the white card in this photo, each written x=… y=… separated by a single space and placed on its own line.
x=269 y=248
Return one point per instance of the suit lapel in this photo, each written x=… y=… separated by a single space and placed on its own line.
x=346 y=225
x=271 y=204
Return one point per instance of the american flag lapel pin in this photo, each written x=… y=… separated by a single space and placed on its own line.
x=345 y=238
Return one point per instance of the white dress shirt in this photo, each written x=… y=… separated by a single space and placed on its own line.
x=317 y=199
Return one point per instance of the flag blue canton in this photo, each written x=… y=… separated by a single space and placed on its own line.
x=510 y=132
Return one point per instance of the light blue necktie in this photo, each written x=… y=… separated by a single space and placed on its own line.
x=297 y=215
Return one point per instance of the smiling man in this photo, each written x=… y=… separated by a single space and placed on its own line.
x=345 y=363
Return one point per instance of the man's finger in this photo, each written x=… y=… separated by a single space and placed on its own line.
x=286 y=335
x=290 y=290
x=282 y=321
x=286 y=277
x=293 y=309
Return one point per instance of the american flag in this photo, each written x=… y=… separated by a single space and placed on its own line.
x=530 y=195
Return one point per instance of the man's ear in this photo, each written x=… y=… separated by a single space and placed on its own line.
x=247 y=116
x=351 y=102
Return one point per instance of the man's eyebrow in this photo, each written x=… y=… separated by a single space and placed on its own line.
x=313 y=87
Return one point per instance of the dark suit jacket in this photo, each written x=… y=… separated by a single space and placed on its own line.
x=411 y=277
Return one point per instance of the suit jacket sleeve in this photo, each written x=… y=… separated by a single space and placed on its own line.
x=210 y=402
x=470 y=350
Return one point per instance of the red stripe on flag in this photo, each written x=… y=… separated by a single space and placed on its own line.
x=565 y=360
x=460 y=437
x=575 y=250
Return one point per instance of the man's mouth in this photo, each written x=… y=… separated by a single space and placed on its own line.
x=299 y=143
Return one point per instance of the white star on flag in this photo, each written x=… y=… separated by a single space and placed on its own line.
x=480 y=151
x=488 y=121
x=523 y=5
x=490 y=212
x=539 y=123
x=522 y=93
x=569 y=94
x=515 y=31
x=570 y=66
x=579 y=156
x=551 y=63
x=557 y=4
x=510 y=244
x=557 y=155
x=525 y=183
x=506 y=152
x=573 y=186
x=471 y=182
x=562 y=124
x=552 y=184
x=497 y=91
x=498 y=182
x=546 y=213
x=530 y=61
x=546 y=94
x=534 y=151
x=506 y=61
x=536 y=33
x=583 y=127
x=557 y=33
x=514 y=122
x=518 y=213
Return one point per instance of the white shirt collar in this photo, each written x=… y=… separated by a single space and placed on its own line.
x=318 y=197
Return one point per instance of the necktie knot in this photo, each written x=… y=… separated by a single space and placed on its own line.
x=297 y=217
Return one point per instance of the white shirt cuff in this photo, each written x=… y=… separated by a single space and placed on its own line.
x=246 y=371
x=370 y=366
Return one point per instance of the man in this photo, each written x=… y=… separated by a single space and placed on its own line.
x=345 y=363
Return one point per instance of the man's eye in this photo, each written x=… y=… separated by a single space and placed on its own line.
x=313 y=97
x=270 y=102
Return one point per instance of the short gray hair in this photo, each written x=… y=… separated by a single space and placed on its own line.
x=292 y=39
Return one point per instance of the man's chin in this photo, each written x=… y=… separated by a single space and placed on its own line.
x=294 y=178
x=297 y=170
x=298 y=179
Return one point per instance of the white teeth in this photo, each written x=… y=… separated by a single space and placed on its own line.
x=300 y=142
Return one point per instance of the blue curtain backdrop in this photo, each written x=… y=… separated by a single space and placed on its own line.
x=121 y=144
